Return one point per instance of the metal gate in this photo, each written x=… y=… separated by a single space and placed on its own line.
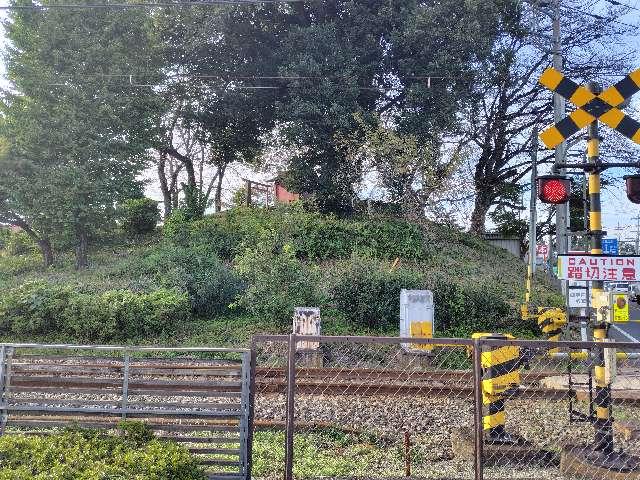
x=199 y=397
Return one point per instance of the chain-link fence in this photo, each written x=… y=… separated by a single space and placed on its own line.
x=574 y=412
x=444 y=408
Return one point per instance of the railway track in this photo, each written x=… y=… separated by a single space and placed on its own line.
x=437 y=383
x=174 y=379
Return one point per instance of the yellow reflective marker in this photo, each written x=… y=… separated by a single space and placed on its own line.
x=582 y=118
x=635 y=76
x=612 y=96
x=620 y=307
x=612 y=118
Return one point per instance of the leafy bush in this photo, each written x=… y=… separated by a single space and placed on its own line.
x=5 y=233
x=139 y=215
x=34 y=307
x=369 y=295
x=197 y=270
x=215 y=232
x=313 y=235
x=464 y=310
x=11 y=266
x=19 y=243
x=90 y=454
x=277 y=283
x=40 y=308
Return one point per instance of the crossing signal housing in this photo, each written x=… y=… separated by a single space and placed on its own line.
x=554 y=189
x=633 y=187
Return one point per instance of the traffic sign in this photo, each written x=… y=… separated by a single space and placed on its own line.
x=596 y=267
x=542 y=249
x=579 y=294
x=610 y=246
x=591 y=107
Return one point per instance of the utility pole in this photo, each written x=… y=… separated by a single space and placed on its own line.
x=533 y=217
x=532 y=214
x=558 y=114
x=637 y=219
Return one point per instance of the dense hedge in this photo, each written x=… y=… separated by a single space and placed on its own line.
x=277 y=282
x=139 y=215
x=312 y=235
x=116 y=315
x=16 y=243
x=368 y=295
x=88 y=455
x=195 y=269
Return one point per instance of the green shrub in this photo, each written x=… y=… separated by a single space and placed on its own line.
x=5 y=234
x=313 y=235
x=117 y=315
x=368 y=294
x=34 y=308
x=11 y=266
x=139 y=215
x=197 y=270
x=463 y=310
x=19 y=243
x=277 y=282
x=88 y=454
x=124 y=315
x=216 y=232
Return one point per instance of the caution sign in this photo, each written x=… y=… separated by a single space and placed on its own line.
x=620 y=304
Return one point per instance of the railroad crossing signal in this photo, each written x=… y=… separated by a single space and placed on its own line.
x=591 y=107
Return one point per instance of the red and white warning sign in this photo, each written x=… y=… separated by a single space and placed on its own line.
x=596 y=267
x=542 y=250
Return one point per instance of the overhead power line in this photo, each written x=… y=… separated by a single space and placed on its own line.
x=620 y=4
x=195 y=3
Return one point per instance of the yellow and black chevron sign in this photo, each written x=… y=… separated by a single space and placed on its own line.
x=591 y=107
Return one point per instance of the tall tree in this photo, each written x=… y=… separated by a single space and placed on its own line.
x=217 y=109
x=372 y=59
x=77 y=123
x=509 y=101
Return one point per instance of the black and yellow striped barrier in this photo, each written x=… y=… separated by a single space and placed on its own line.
x=500 y=378
x=551 y=321
x=591 y=107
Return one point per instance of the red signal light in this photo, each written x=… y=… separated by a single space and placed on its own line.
x=633 y=187
x=554 y=189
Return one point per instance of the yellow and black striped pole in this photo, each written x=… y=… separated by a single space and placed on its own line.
x=500 y=376
x=551 y=321
x=603 y=423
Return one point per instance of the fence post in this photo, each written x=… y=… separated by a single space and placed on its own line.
x=290 y=425
x=252 y=399
x=477 y=408
x=125 y=384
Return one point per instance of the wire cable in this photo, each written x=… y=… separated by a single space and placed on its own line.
x=195 y=3
x=620 y=4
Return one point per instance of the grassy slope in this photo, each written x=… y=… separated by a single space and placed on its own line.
x=459 y=257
